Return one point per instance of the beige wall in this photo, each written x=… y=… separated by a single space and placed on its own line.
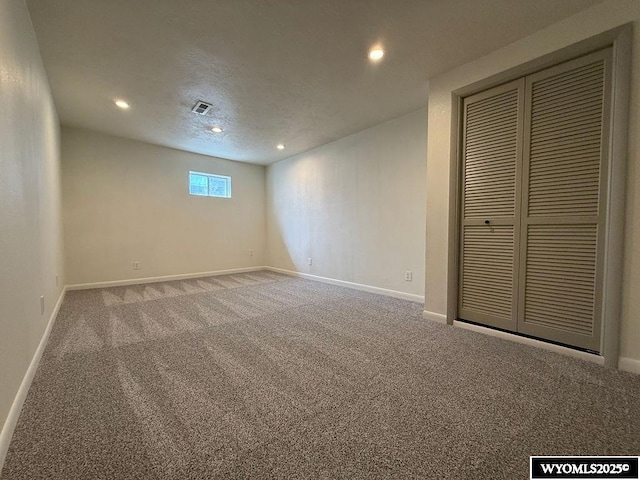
x=30 y=225
x=126 y=201
x=600 y=18
x=355 y=206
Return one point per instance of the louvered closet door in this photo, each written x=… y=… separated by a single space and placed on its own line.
x=564 y=181
x=490 y=205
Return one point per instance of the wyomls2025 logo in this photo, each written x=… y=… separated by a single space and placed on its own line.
x=584 y=467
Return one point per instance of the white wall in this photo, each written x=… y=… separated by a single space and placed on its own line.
x=126 y=201
x=586 y=24
x=30 y=225
x=355 y=206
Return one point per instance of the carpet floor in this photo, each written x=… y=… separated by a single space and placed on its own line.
x=261 y=375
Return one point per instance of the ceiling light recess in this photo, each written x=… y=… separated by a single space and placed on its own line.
x=121 y=103
x=376 y=54
x=280 y=146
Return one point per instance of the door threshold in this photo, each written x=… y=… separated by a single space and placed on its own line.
x=553 y=347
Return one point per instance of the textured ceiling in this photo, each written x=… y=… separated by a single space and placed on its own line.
x=276 y=71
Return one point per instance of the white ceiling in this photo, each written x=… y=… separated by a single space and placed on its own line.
x=292 y=71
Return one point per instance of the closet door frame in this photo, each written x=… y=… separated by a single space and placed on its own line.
x=611 y=286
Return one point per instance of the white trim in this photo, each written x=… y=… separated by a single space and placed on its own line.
x=629 y=365
x=16 y=407
x=570 y=352
x=355 y=286
x=434 y=317
x=616 y=193
x=166 y=278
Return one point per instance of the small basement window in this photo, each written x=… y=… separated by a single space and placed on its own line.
x=209 y=185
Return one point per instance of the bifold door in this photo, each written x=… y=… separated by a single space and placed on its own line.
x=492 y=153
x=534 y=168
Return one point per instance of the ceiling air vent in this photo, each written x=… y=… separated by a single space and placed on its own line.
x=201 y=108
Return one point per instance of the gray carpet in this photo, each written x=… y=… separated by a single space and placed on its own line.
x=261 y=375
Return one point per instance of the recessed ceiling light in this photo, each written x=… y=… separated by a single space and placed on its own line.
x=121 y=104
x=280 y=146
x=376 y=53
x=216 y=129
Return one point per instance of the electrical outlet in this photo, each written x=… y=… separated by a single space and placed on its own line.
x=251 y=253
x=136 y=265
x=56 y=280
x=408 y=276
x=42 y=305
x=309 y=261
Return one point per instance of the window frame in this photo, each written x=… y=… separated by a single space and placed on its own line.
x=208 y=176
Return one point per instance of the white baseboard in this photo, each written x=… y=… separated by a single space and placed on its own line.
x=16 y=407
x=434 y=317
x=590 y=357
x=355 y=286
x=166 y=278
x=629 y=365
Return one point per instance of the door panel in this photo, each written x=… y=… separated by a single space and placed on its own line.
x=560 y=274
x=564 y=180
x=487 y=281
x=491 y=173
